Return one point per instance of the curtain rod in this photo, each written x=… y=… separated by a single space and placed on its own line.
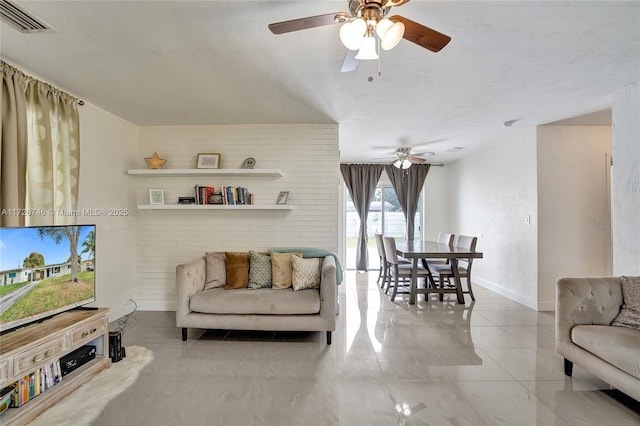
x=384 y=164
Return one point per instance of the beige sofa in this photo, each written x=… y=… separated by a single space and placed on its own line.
x=254 y=309
x=585 y=308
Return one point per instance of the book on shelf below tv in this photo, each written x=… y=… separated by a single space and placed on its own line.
x=38 y=275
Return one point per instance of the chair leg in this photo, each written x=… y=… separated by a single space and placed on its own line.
x=470 y=289
x=328 y=337
x=395 y=288
x=568 y=367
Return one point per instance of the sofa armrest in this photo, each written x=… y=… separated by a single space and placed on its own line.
x=190 y=279
x=587 y=300
x=328 y=289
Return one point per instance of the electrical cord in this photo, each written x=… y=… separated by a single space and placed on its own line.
x=123 y=322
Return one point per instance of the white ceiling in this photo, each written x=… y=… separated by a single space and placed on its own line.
x=215 y=62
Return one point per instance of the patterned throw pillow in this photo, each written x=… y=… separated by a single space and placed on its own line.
x=281 y=269
x=237 y=270
x=259 y=270
x=629 y=315
x=216 y=270
x=306 y=272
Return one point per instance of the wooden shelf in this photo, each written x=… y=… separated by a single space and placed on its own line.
x=29 y=348
x=214 y=207
x=205 y=172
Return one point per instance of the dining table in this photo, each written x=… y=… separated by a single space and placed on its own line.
x=421 y=250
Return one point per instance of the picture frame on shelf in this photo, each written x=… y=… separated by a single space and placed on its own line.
x=282 y=197
x=208 y=161
x=156 y=196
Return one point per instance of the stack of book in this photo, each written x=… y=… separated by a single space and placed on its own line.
x=226 y=195
x=35 y=383
x=236 y=195
x=204 y=194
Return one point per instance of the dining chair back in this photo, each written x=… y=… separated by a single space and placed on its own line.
x=384 y=266
x=444 y=273
x=443 y=238
x=399 y=271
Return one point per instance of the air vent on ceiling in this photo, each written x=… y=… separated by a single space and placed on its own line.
x=21 y=19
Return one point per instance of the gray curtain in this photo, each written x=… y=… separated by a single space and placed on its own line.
x=408 y=184
x=361 y=181
x=13 y=145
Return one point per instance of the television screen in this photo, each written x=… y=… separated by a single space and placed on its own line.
x=45 y=270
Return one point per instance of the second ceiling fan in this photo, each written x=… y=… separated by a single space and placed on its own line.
x=365 y=21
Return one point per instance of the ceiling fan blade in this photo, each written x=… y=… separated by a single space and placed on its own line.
x=308 y=22
x=350 y=63
x=390 y=3
x=421 y=35
x=417 y=160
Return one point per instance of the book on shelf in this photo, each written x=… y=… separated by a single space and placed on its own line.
x=231 y=195
x=203 y=194
x=34 y=383
x=236 y=195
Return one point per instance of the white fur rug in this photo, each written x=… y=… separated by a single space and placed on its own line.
x=79 y=409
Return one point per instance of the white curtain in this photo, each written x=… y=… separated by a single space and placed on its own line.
x=53 y=155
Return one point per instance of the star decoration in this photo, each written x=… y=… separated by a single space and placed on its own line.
x=155 y=162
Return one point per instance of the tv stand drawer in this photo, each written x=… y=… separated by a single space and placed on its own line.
x=87 y=332
x=4 y=372
x=44 y=352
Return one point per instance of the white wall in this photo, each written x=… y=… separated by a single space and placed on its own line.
x=435 y=204
x=626 y=181
x=574 y=237
x=107 y=143
x=307 y=155
x=490 y=194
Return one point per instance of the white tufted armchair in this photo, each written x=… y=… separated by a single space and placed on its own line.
x=585 y=308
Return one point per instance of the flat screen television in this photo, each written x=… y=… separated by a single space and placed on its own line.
x=39 y=276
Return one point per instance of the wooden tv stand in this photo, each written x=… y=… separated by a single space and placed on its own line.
x=29 y=348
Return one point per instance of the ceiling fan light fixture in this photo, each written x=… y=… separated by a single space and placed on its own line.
x=402 y=164
x=383 y=26
x=368 y=49
x=392 y=36
x=351 y=33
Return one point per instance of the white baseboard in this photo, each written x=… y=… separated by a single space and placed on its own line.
x=529 y=303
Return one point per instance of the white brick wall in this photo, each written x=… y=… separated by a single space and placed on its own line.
x=308 y=156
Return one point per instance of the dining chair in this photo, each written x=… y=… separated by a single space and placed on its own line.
x=444 y=273
x=399 y=273
x=384 y=266
x=443 y=238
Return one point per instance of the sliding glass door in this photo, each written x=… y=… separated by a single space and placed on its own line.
x=385 y=217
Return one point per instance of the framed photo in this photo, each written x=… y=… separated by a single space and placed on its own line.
x=208 y=161
x=282 y=197
x=156 y=196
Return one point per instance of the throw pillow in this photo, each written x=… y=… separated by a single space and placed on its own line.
x=259 y=270
x=306 y=272
x=237 y=270
x=629 y=315
x=216 y=270
x=281 y=269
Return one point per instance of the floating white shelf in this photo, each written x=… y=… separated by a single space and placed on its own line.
x=214 y=207
x=205 y=172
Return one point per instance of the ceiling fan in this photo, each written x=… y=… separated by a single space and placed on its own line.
x=404 y=158
x=364 y=25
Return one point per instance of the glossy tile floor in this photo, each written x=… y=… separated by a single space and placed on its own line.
x=434 y=363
